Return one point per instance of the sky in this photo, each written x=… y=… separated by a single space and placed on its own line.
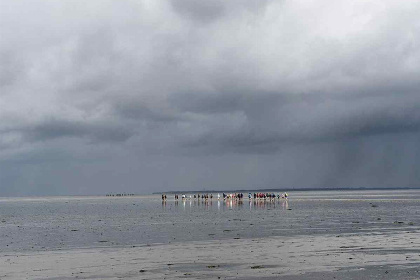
x=149 y=96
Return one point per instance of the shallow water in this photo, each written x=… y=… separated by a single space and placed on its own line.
x=33 y=224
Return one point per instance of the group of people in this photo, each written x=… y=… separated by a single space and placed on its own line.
x=233 y=196
x=270 y=196
x=230 y=196
x=196 y=196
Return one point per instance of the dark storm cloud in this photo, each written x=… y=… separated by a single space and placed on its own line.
x=172 y=93
x=212 y=11
x=132 y=110
x=54 y=128
x=208 y=103
x=272 y=119
x=205 y=11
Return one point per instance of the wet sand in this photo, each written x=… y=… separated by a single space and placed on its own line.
x=373 y=255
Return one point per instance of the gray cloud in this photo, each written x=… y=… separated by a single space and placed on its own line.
x=212 y=11
x=205 y=11
x=173 y=93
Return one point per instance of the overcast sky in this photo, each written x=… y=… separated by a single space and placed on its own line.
x=140 y=96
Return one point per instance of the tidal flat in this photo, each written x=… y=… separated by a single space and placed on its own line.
x=313 y=235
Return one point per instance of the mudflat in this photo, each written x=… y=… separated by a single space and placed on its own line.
x=370 y=234
x=372 y=255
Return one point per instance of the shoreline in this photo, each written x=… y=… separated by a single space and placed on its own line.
x=372 y=255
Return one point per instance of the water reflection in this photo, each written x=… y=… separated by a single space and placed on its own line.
x=285 y=204
x=142 y=220
x=232 y=204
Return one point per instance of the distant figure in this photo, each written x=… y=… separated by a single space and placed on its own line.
x=218 y=196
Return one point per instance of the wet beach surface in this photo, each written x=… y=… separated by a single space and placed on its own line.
x=80 y=222
x=320 y=235
x=349 y=256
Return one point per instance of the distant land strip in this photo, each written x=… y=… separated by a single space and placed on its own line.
x=292 y=189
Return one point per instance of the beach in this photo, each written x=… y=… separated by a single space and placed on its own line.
x=366 y=256
x=313 y=235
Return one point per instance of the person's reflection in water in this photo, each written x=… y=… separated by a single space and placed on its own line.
x=240 y=204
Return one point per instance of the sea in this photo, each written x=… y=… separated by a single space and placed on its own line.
x=65 y=223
